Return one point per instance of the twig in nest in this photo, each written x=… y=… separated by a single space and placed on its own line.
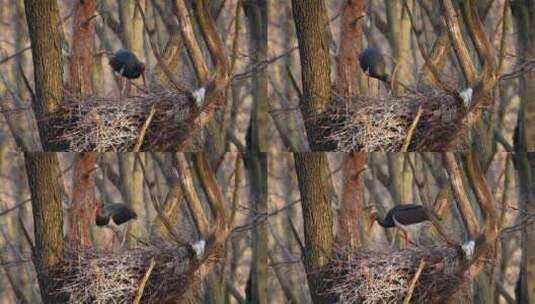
x=413 y=282
x=411 y=130
x=144 y=129
x=141 y=288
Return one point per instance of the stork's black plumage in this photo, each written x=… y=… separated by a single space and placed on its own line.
x=120 y=213
x=404 y=215
x=373 y=64
x=126 y=63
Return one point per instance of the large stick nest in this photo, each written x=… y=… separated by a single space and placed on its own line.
x=114 y=124
x=106 y=277
x=367 y=123
x=366 y=276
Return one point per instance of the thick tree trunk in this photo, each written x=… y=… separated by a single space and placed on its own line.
x=44 y=177
x=312 y=27
x=81 y=212
x=350 y=226
x=314 y=178
x=348 y=72
x=45 y=30
x=83 y=48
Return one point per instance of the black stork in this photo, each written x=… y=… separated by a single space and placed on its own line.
x=400 y=217
x=126 y=64
x=119 y=213
x=373 y=64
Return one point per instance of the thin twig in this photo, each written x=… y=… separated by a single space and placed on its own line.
x=19 y=52
x=26 y=235
x=156 y=206
x=157 y=54
x=4 y=212
x=411 y=130
x=293 y=81
x=141 y=288
x=413 y=282
x=296 y=236
x=144 y=129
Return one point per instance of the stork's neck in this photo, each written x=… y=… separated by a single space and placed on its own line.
x=380 y=220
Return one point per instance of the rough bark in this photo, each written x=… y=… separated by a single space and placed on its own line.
x=312 y=28
x=83 y=200
x=350 y=212
x=83 y=48
x=313 y=177
x=348 y=71
x=44 y=179
x=44 y=26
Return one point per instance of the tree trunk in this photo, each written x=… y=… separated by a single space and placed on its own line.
x=132 y=30
x=350 y=217
x=83 y=48
x=44 y=177
x=312 y=27
x=313 y=177
x=524 y=16
x=525 y=167
x=131 y=189
x=348 y=72
x=401 y=175
x=399 y=36
x=257 y=12
x=44 y=26
x=256 y=165
x=81 y=212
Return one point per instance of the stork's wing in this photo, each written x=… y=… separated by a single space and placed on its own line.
x=122 y=214
x=411 y=214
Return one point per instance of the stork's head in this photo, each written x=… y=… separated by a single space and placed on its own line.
x=98 y=205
